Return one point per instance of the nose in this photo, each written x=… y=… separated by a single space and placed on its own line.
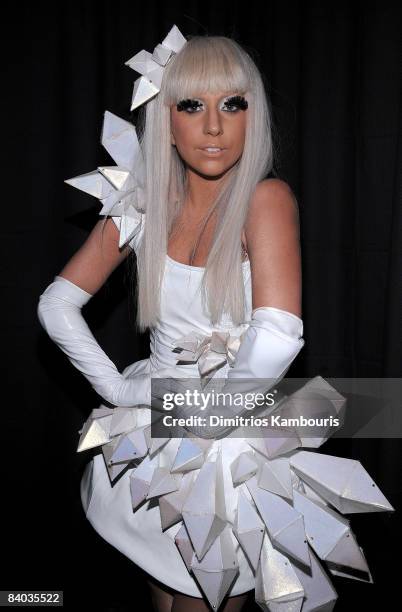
x=213 y=122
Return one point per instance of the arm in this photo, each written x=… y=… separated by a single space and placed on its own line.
x=93 y=263
x=59 y=312
x=274 y=337
x=273 y=243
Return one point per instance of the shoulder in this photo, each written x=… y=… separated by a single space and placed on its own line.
x=271 y=196
x=273 y=207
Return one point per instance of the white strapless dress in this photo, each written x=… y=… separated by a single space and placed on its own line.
x=294 y=497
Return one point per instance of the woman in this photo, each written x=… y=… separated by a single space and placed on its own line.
x=217 y=249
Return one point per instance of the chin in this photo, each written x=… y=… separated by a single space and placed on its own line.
x=209 y=171
x=213 y=174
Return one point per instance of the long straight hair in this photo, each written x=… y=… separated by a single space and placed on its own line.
x=205 y=64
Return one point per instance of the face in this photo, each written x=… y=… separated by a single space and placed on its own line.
x=209 y=121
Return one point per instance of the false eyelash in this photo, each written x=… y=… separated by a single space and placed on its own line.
x=188 y=103
x=239 y=101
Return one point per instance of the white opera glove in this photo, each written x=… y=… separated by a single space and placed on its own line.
x=271 y=343
x=59 y=311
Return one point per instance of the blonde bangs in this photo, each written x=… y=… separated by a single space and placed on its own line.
x=205 y=64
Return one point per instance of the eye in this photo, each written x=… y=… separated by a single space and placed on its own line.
x=231 y=104
x=235 y=103
x=189 y=105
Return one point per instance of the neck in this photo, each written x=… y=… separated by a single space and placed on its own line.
x=201 y=192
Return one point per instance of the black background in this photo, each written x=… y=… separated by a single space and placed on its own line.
x=332 y=71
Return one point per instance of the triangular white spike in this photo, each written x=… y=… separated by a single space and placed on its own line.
x=128 y=227
x=163 y=482
x=344 y=572
x=120 y=140
x=113 y=204
x=189 y=456
x=170 y=505
x=119 y=177
x=343 y=482
x=218 y=568
x=131 y=446
x=274 y=476
x=320 y=595
x=277 y=586
x=284 y=524
x=204 y=511
x=123 y=420
x=203 y=530
x=96 y=430
x=278 y=442
x=347 y=552
x=329 y=534
x=143 y=91
x=161 y=55
x=141 y=62
x=248 y=529
x=113 y=469
x=317 y=399
x=92 y=183
x=243 y=467
x=184 y=545
x=155 y=75
x=140 y=479
x=174 y=40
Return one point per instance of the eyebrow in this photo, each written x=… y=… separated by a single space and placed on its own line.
x=230 y=95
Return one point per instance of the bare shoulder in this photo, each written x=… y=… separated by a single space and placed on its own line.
x=273 y=207
x=272 y=197
x=273 y=245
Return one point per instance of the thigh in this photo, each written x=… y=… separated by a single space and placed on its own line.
x=184 y=603
x=161 y=595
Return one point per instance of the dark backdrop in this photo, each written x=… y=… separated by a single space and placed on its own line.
x=332 y=70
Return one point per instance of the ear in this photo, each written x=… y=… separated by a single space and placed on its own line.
x=172 y=140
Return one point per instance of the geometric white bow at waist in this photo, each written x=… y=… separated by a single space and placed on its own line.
x=211 y=352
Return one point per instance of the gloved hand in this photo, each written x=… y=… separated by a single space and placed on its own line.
x=59 y=311
x=272 y=342
x=268 y=348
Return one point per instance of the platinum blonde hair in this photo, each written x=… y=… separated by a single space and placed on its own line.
x=210 y=64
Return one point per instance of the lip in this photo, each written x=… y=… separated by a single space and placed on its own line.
x=212 y=154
